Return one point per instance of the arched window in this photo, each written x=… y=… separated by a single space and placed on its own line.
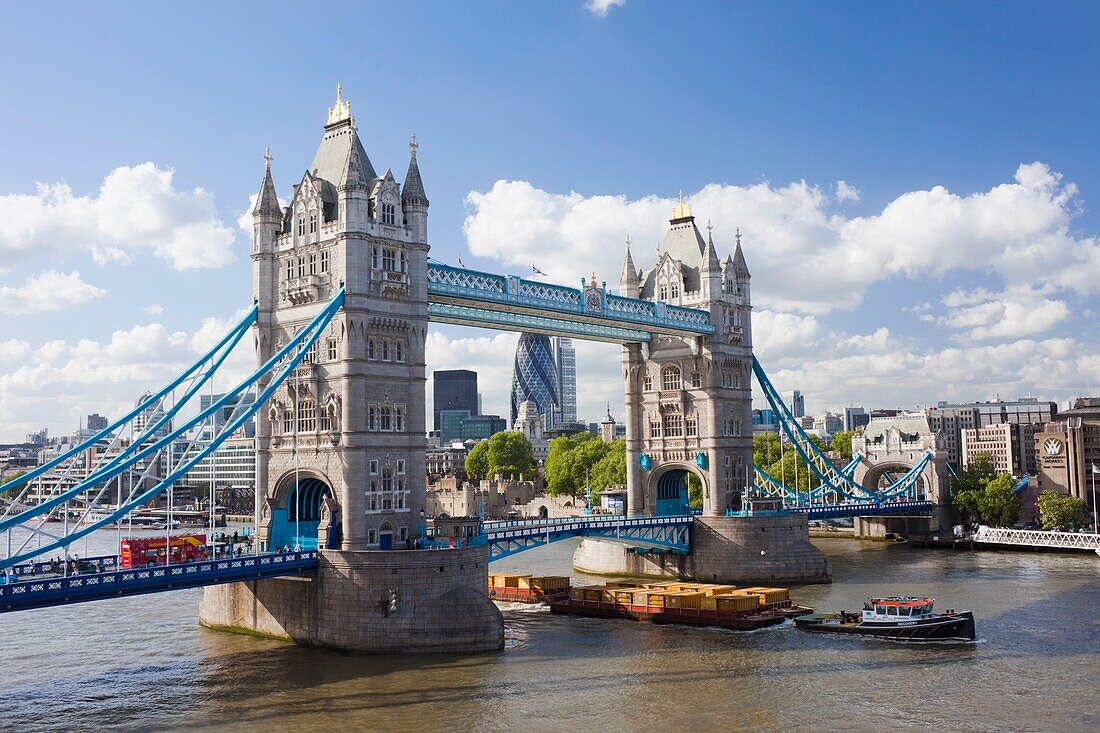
x=675 y=290
x=387 y=214
x=696 y=380
x=398 y=351
x=385 y=418
x=331 y=351
x=324 y=260
x=301 y=225
x=670 y=378
x=312 y=263
x=654 y=426
x=399 y=418
x=691 y=427
x=370 y=348
x=301 y=267
x=313 y=221
x=647 y=383
x=385 y=349
x=674 y=426
x=662 y=292
x=372 y=420
x=288 y=422
x=290 y=269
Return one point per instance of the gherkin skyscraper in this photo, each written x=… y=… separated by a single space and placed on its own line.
x=535 y=377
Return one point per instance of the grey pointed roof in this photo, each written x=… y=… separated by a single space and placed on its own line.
x=629 y=272
x=413 y=190
x=268 y=200
x=353 y=173
x=710 y=256
x=332 y=155
x=684 y=243
x=739 y=265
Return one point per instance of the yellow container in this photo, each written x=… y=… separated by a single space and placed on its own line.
x=592 y=594
x=656 y=598
x=708 y=603
x=770 y=595
x=624 y=596
x=717 y=590
x=640 y=597
x=731 y=603
x=507 y=580
x=576 y=594
x=545 y=582
x=683 y=600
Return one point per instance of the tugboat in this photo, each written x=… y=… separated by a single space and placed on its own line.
x=899 y=618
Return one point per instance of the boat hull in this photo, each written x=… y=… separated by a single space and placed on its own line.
x=955 y=627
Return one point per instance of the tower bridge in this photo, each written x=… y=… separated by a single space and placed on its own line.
x=344 y=292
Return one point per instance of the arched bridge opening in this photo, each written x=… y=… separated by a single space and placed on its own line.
x=296 y=519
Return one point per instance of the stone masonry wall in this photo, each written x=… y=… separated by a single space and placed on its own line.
x=440 y=603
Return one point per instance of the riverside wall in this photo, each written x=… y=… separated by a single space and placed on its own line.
x=410 y=601
x=761 y=549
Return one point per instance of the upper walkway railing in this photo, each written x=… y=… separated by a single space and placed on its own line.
x=470 y=297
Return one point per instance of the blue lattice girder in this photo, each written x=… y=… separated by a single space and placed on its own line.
x=486 y=291
x=508 y=538
x=465 y=315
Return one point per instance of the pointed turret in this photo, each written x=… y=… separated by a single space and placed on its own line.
x=710 y=273
x=710 y=256
x=413 y=199
x=353 y=175
x=629 y=279
x=267 y=202
x=740 y=267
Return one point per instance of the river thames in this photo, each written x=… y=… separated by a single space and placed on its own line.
x=144 y=664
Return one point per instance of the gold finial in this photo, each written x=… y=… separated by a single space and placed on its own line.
x=682 y=210
x=342 y=110
x=593 y=278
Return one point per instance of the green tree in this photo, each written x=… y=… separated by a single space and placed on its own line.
x=572 y=460
x=842 y=443
x=8 y=478
x=510 y=454
x=765 y=448
x=998 y=505
x=611 y=469
x=969 y=489
x=1062 y=512
x=792 y=471
x=695 y=492
x=477 y=460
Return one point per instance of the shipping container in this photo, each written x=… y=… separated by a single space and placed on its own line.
x=684 y=600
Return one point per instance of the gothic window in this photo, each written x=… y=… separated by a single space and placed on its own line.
x=385 y=349
x=311 y=354
x=696 y=380
x=399 y=418
x=670 y=378
x=370 y=348
x=398 y=350
x=691 y=427
x=402 y=262
x=675 y=290
x=324 y=260
x=389 y=259
x=301 y=225
x=674 y=426
x=372 y=424
x=385 y=418
x=313 y=221
x=647 y=383
x=654 y=426
x=400 y=466
x=301 y=267
x=662 y=292
x=374 y=469
x=290 y=269
x=325 y=421
x=288 y=422
x=387 y=479
x=312 y=263
x=371 y=537
x=307 y=416
x=727 y=378
x=388 y=214
x=375 y=262
x=729 y=427
x=331 y=350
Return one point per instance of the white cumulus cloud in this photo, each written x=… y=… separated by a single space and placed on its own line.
x=601 y=8
x=137 y=209
x=48 y=291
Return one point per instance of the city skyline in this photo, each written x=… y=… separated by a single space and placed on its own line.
x=939 y=240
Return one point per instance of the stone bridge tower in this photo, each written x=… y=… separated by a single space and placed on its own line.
x=345 y=434
x=689 y=400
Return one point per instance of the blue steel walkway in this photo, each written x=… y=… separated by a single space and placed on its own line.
x=60 y=591
x=508 y=538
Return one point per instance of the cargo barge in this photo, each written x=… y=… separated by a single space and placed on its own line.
x=521 y=588
x=689 y=604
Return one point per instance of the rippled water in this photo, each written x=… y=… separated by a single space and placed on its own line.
x=144 y=664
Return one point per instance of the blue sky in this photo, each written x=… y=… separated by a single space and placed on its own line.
x=590 y=124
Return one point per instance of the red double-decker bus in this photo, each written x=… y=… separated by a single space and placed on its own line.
x=144 y=552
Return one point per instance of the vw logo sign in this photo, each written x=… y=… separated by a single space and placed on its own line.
x=1052 y=446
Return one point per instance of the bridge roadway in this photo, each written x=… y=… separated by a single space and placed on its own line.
x=1038 y=538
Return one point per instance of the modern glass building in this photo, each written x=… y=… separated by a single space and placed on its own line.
x=453 y=389
x=535 y=378
x=567 y=376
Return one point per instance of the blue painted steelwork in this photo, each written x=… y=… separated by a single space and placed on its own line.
x=497 y=301
x=860 y=509
x=508 y=538
x=227 y=343
x=286 y=360
x=672 y=493
x=43 y=592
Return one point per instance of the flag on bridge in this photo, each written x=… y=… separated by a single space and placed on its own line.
x=537 y=271
x=460 y=264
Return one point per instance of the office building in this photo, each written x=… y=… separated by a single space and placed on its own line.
x=566 y=358
x=796 y=402
x=535 y=379
x=855 y=418
x=454 y=389
x=952 y=419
